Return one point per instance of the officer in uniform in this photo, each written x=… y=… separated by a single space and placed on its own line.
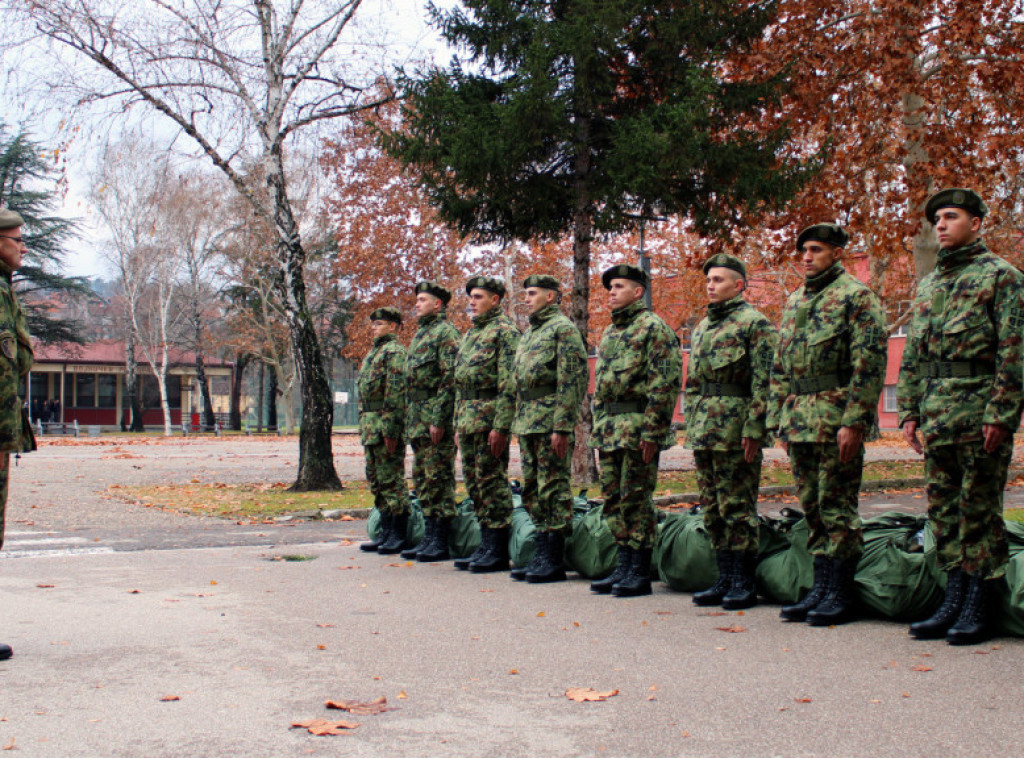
x=551 y=380
x=637 y=383
x=960 y=385
x=826 y=379
x=16 y=344
x=726 y=405
x=381 y=421
x=484 y=406
x=429 y=417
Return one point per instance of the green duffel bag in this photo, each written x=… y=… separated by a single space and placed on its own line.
x=683 y=554
x=464 y=531
x=897 y=577
x=1010 y=616
x=787 y=574
x=590 y=550
x=413 y=532
x=520 y=538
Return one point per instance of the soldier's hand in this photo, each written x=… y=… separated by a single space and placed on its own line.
x=994 y=436
x=910 y=435
x=560 y=444
x=751 y=447
x=436 y=435
x=648 y=450
x=497 y=441
x=850 y=439
x=391 y=444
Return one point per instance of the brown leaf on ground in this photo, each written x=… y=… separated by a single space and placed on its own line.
x=323 y=727
x=920 y=667
x=713 y=613
x=9 y=745
x=735 y=629
x=169 y=698
x=45 y=586
x=801 y=700
x=588 y=694
x=399 y=565
x=378 y=705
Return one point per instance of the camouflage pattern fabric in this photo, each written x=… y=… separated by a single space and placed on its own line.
x=433 y=476
x=627 y=485
x=486 y=480
x=484 y=375
x=16 y=345
x=833 y=326
x=5 y=476
x=965 y=507
x=382 y=392
x=639 y=365
x=550 y=374
x=726 y=396
x=828 y=492
x=385 y=473
x=547 y=488
x=430 y=377
x=728 y=490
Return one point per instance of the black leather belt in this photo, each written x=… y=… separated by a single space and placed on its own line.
x=956 y=369
x=723 y=389
x=628 y=406
x=808 y=385
x=535 y=393
x=421 y=394
x=484 y=393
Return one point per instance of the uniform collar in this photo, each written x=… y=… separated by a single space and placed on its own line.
x=952 y=259
x=544 y=314
x=487 y=318
x=820 y=281
x=384 y=338
x=718 y=311
x=623 y=316
x=430 y=318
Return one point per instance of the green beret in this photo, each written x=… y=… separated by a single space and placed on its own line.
x=830 y=234
x=10 y=219
x=489 y=283
x=956 y=197
x=724 y=260
x=435 y=289
x=543 y=281
x=387 y=313
x=625 y=271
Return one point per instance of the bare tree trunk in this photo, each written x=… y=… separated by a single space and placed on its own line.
x=237 y=376
x=135 y=408
x=271 y=399
x=259 y=393
x=209 y=420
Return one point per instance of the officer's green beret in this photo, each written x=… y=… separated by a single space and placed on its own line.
x=724 y=260
x=625 y=271
x=543 y=281
x=488 y=283
x=830 y=234
x=387 y=313
x=435 y=289
x=10 y=219
x=956 y=197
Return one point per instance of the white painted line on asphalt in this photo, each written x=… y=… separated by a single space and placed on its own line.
x=47 y=541
x=8 y=554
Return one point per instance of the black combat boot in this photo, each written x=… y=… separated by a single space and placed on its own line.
x=540 y=546
x=936 y=626
x=497 y=558
x=713 y=595
x=974 y=624
x=484 y=547
x=743 y=588
x=383 y=530
x=837 y=607
x=551 y=569
x=438 y=548
x=396 y=541
x=5 y=652
x=799 y=611
x=637 y=580
x=604 y=586
x=412 y=553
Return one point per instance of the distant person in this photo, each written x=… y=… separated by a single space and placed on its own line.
x=55 y=410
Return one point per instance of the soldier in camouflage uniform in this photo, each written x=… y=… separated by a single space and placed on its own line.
x=551 y=380
x=960 y=384
x=381 y=422
x=826 y=379
x=429 y=418
x=15 y=431
x=637 y=383
x=484 y=405
x=726 y=404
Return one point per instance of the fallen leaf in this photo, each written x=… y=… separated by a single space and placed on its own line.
x=133 y=592
x=323 y=727
x=801 y=700
x=378 y=705
x=541 y=614
x=663 y=613
x=44 y=586
x=325 y=626
x=321 y=647
x=346 y=568
x=736 y=629
x=513 y=671
x=588 y=694
x=713 y=613
x=169 y=698
x=9 y=745
x=398 y=565
x=486 y=590
x=402 y=695
x=920 y=667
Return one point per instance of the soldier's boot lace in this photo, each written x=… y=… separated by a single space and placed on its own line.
x=799 y=611
x=551 y=569
x=604 y=586
x=713 y=595
x=974 y=624
x=396 y=541
x=839 y=602
x=438 y=549
x=383 y=530
x=637 y=580
x=743 y=589
x=497 y=558
x=412 y=553
x=540 y=546
x=936 y=626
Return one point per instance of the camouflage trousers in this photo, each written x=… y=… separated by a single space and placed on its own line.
x=486 y=480
x=433 y=476
x=547 y=492
x=5 y=478
x=386 y=475
x=828 y=492
x=728 y=491
x=627 y=485
x=965 y=506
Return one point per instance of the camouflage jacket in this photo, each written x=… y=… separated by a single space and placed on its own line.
x=637 y=381
x=729 y=372
x=430 y=377
x=485 y=397
x=16 y=345
x=382 y=391
x=966 y=319
x=551 y=374
x=830 y=363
